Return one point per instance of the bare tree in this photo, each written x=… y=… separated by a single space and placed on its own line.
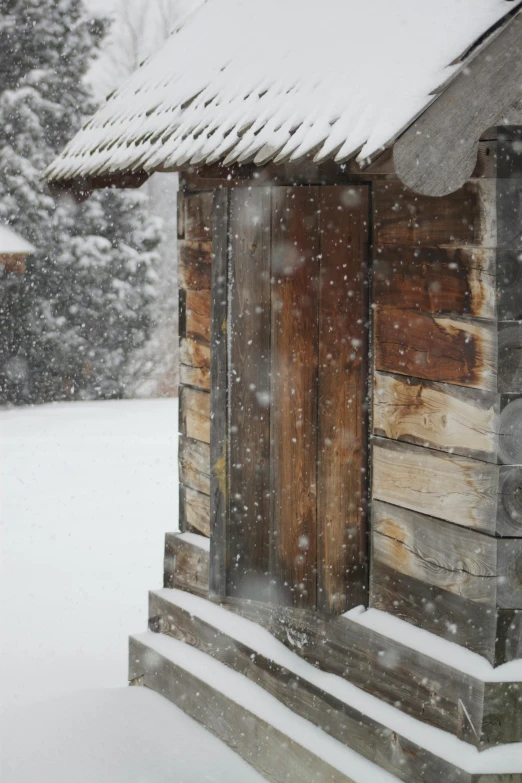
x=138 y=29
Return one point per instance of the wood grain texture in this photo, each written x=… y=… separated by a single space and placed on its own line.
x=509 y=638
x=509 y=217
x=437 y=154
x=294 y=358
x=437 y=348
x=219 y=493
x=194 y=265
x=194 y=511
x=435 y=280
x=276 y=757
x=439 y=416
x=346 y=724
x=502 y=704
x=194 y=464
x=303 y=172
x=194 y=408
x=194 y=364
x=342 y=420
x=509 y=570
x=421 y=686
x=466 y=563
x=509 y=500
x=510 y=357
x=509 y=153
x=461 y=219
x=470 y=624
x=449 y=557
x=509 y=212
x=417 y=684
x=510 y=431
x=454 y=419
x=180 y=210
x=464 y=491
x=509 y=281
x=197 y=316
x=486 y=163
x=249 y=393
x=186 y=566
x=198 y=215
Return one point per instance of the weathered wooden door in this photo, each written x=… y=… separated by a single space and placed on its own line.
x=288 y=400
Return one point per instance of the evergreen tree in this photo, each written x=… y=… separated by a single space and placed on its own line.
x=69 y=327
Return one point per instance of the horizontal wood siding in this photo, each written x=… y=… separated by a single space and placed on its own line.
x=194 y=360
x=438 y=348
x=446 y=614
x=197 y=316
x=450 y=557
x=436 y=415
x=194 y=271
x=461 y=219
x=479 y=568
x=194 y=406
x=194 y=265
x=194 y=511
x=194 y=464
x=464 y=491
x=447 y=408
x=186 y=565
x=435 y=279
x=198 y=215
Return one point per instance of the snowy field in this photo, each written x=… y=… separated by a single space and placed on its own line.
x=87 y=492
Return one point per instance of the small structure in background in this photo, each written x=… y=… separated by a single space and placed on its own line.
x=351 y=380
x=13 y=251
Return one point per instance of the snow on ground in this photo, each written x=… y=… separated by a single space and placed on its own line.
x=129 y=735
x=87 y=492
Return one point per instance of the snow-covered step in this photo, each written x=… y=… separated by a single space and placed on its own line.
x=281 y=745
x=186 y=563
x=382 y=733
x=430 y=678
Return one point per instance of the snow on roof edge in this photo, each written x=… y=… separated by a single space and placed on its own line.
x=12 y=243
x=234 y=106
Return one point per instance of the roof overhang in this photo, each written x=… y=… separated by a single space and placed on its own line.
x=435 y=152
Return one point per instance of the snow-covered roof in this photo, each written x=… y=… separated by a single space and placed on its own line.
x=13 y=244
x=277 y=80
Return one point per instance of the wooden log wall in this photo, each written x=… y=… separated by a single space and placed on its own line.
x=447 y=407
x=194 y=277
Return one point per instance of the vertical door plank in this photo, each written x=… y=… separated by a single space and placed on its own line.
x=343 y=349
x=218 y=395
x=294 y=355
x=249 y=393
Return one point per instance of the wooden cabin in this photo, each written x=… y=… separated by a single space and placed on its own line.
x=344 y=599
x=13 y=251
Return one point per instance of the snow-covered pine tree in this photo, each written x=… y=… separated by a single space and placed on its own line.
x=68 y=327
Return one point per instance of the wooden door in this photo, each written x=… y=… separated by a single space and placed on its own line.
x=288 y=396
